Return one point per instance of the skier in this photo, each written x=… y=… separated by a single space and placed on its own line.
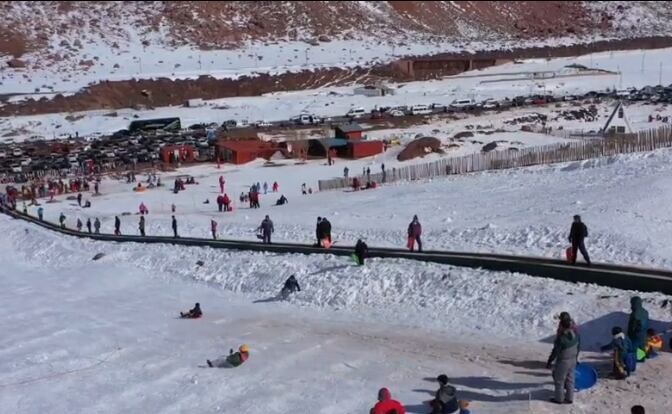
x=276 y=187
x=624 y=356
x=79 y=199
x=638 y=323
x=291 y=286
x=266 y=229
x=318 y=232
x=117 y=226
x=61 y=219
x=565 y=350
x=213 y=228
x=40 y=213
x=79 y=225
x=96 y=226
x=414 y=233
x=361 y=250
x=141 y=226
x=233 y=360
x=445 y=401
x=194 y=313
x=88 y=225
x=174 y=226
x=221 y=183
x=386 y=404
x=577 y=234
x=265 y=187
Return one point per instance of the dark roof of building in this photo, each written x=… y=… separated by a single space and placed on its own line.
x=351 y=127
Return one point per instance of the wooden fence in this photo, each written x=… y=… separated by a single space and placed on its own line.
x=497 y=160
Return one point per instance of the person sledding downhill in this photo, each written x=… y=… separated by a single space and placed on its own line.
x=194 y=313
x=414 y=233
x=386 y=404
x=235 y=359
x=577 y=234
x=654 y=343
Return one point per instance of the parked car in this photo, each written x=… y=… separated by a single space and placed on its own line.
x=465 y=104
x=420 y=109
x=263 y=124
x=304 y=119
x=356 y=113
x=489 y=104
x=396 y=113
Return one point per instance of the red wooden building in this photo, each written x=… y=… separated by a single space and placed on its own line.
x=241 y=152
x=350 y=132
x=361 y=149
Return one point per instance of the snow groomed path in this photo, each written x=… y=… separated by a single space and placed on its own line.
x=617 y=276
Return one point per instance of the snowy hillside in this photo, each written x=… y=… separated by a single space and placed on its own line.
x=58 y=47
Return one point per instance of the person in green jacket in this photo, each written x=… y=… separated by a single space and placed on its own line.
x=638 y=323
x=235 y=359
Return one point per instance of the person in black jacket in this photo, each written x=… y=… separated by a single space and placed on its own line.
x=318 y=232
x=324 y=229
x=117 y=226
x=291 y=286
x=361 y=249
x=174 y=225
x=141 y=226
x=577 y=234
x=193 y=313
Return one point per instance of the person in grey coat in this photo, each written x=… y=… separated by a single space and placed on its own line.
x=266 y=229
x=565 y=352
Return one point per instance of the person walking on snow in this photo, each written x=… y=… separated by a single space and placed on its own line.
x=61 y=220
x=172 y=208
x=79 y=225
x=638 y=323
x=227 y=202
x=318 y=232
x=40 y=213
x=414 y=233
x=265 y=187
x=221 y=183
x=325 y=231
x=361 y=250
x=117 y=226
x=79 y=199
x=213 y=229
x=96 y=225
x=565 y=352
x=577 y=234
x=386 y=404
x=141 y=226
x=174 y=226
x=88 y=225
x=220 y=202
x=303 y=189
x=235 y=359
x=346 y=171
x=276 y=187
x=266 y=229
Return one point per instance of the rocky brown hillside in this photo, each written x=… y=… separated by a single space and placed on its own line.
x=33 y=26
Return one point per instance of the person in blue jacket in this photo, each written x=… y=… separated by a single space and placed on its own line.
x=625 y=361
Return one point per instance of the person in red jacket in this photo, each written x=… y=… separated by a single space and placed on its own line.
x=227 y=203
x=386 y=404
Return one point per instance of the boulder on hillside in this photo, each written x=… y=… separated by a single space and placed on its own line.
x=419 y=148
x=16 y=63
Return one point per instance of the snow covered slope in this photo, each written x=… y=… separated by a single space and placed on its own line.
x=101 y=336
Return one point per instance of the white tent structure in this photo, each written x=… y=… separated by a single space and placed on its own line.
x=618 y=123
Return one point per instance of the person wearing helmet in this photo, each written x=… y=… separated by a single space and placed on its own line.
x=386 y=404
x=235 y=359
x=193 y=313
